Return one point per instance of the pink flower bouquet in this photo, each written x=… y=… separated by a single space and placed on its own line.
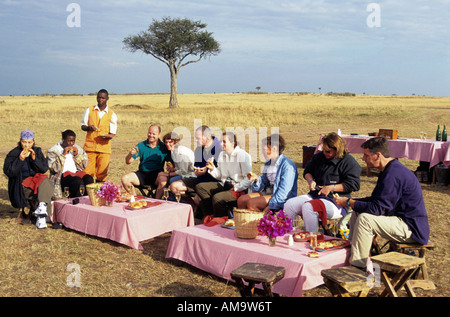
x=274 y=225
x=109 y=191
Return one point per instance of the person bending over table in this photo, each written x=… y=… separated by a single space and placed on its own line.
x=28 y=186
x=67 y=162
x=231 y=172
x=395 y=211
x=330 y=171
x=182 y=164
x=152 y=154
x=278 y=181
x=100 y=123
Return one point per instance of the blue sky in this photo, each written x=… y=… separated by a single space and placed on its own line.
x=281 y=46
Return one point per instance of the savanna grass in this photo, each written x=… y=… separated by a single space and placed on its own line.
x=33 y=262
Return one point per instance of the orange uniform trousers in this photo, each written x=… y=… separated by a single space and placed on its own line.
x=98 y=164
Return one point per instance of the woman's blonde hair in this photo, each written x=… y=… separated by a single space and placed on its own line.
x=334 y=141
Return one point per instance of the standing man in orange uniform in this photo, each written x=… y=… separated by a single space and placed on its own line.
x=100 y=123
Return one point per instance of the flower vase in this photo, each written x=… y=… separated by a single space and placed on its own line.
x=110 y=204
x=272 y=241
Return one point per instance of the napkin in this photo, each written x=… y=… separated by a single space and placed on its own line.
x=212 y=221
x=33 y=182
x=319 y=207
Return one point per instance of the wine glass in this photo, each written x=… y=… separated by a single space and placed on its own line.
x=313 y=240
x=178 y=196
x=166 y=193
x=296 y=223
x=82 y=190
x=66 y=193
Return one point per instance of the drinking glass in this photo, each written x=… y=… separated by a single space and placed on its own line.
x=295 y=223
x=166 y=193
x=178 y=196
x=66 y=192
x=421 y=135
x=313 y=240
x=82 y=190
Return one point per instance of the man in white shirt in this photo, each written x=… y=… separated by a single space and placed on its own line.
x=66 y=161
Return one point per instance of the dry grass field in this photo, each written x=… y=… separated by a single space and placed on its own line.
x=33 y=262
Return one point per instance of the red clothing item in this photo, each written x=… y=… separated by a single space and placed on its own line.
x=319 y=207
x=33 y=182
x=80 y=174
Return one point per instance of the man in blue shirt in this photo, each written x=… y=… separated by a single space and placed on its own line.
x=152 y=154
x=395 y=211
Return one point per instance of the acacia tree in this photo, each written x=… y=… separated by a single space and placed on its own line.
x=175 y=42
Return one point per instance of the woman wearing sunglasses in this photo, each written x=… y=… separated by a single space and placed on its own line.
x=331 y=171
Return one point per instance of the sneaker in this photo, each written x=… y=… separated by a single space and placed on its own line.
x=41 y=210
x=41 y=223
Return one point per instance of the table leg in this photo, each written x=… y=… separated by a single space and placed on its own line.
x=241 y=287
x=397 y=282
x=251 y=288
x=268 y=289
x=405 y=282
x=388 y=286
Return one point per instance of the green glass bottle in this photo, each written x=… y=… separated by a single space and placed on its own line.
x=438 y=133
x=444 y=134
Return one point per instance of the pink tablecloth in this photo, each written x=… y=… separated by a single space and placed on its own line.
x=121 y=225
x=413 y=149
x=218 y=251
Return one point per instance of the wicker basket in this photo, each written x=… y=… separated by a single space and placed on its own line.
x=246 y=223
x=96 y=200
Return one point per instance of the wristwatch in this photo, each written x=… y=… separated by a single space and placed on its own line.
x=347 y=203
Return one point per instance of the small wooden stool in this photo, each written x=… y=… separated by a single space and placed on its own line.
x=254 y=273
x=343 y=281
x=401 y=268
x=423 y=283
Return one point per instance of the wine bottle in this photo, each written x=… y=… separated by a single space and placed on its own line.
x=444 y=134
x=438 y=133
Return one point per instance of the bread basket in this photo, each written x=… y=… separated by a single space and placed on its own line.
x=246 y=222
x=95 y=199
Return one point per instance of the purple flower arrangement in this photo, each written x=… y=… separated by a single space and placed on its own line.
x=109 y=191
x=274 y=224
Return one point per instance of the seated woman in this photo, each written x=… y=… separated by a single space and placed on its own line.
x=67 y=161
x=330 y=171
x=28 y=187
x=182 y=166
x=278 y=181
x=233 y=165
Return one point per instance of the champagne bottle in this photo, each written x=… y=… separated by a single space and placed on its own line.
x=438 y=133
x=444 y=134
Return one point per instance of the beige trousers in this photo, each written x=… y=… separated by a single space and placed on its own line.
x=363 y=227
